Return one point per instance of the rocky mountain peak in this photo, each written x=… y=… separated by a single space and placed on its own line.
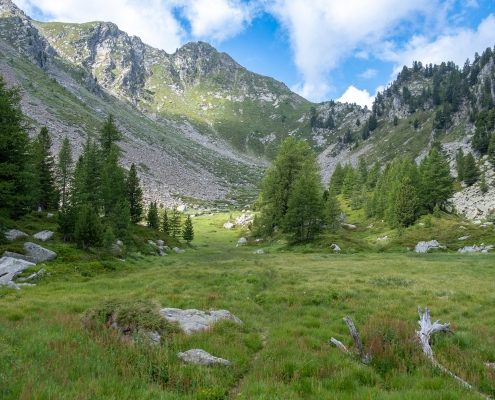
x=8 y=8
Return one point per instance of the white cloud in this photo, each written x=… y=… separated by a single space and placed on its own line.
x=151 y=20
x=218 y=19
x=456 y=47
x=360 y=97
x=324 y=32
x=368 y=74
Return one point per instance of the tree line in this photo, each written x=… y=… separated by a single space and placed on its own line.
x=97 y=199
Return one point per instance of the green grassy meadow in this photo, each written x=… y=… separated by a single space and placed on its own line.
x=291 y=300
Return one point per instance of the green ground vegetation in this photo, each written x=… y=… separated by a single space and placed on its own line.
x=291 y=301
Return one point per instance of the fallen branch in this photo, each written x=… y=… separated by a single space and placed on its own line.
x=365 y=358
x=424 y=336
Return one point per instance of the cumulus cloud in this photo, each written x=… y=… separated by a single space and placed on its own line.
x=218 y=19
x=368 y=74
x=324 y=32
x=360 y=97
x=456 y=47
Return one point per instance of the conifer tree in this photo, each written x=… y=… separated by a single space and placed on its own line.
x=483 y=185
x=67 y=218
x=47 y=194
x=333 y=213
x=165 y=226
x=348 y=184
x=406 y=204
x=175 y=223
x=64 y=171
x=134 y=195
x=120 y=218
x=471 y=173
x=88 y=230
x=305 y=212
x=153 y=220
x=108 y=239
x=436 y=182
x=113 y=187
x=188 y=230
x=16 y=179
x=87 y=177
x=337 y=179
x=109 y=135
x=373 y=175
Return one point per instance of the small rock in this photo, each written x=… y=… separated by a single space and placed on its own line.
x=242 y=240
x=151 y=242
x=464 y=237
x=260 y=251
x=259 y=240
x=349 y=227
x=177 y=250
x=162 y=254
x=201 y=357
x=462 y=227
x=27 y=284
x=49 y=215
x=160 y=242
x=193 y=320
x=423 y=247
x=43 y=235
x=13 y=234
x=13 y=285
x=335 y=247
x=228 y=225
x=119 y=242
x=382 y=238
x=38 y=252
x=370 y=226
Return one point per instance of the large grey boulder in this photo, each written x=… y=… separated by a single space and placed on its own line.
x=192 y=320
x=474 y=249
x=43 y=235
x=11 y=267
x=423 y=247
x=182 y=208
x=228 y=225
x=242 y=240
x=13 y=234
x=20 y=257
x=334 y=247
x=38 y=252
x=201 y=357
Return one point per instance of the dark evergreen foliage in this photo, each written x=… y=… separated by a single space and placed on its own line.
x=188 y=230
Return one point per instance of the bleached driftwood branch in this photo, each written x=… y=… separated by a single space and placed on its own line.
x=424 y=336
x=365 y=358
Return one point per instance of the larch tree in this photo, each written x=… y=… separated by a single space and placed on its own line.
x=188 y=230
x=134 y=195
x=64 y=171
x=44 y=164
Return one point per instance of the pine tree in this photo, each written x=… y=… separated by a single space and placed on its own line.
x=113 y=187
x=64 y=171
x=86 y=186
x=16 y=178
x=120 y=218
x=134 y=195
x=47 y=194
x=88 y=230
x=460 y=164
x=483 y=185
x=175 y=223
x=67 y=218
x=188 y=230
x=108 y=239
x=153 y=220
x=372 y=123
x=165 y=227
x=109 y=135
x=406 y=204
x=305 y=212
x=436 y=182
x=471 y=173
x=333 y=213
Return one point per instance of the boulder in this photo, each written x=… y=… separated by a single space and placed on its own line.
x=242 y=240
x=335 y=247
x=43 y=235
x=119 y=242
x=260 y=251
x=13 y=234
x=464 y=237
x=349 y=227
x=423 y=247
x=151 y=242
x=38 y=252
x=201 y=357
x=474 y=249
x=49 y=215
x=160 y=242
x=20 y=257
x=228 y=225
x=182 y=208
x=177 y=250
x=11 y=267
x=382 y=238
x=192 y=320
x=13 y=285
x=244 y=220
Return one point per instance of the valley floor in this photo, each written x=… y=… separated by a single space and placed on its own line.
x=290 y=303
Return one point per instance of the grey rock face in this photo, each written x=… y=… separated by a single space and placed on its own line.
x=423 y=247
x=20 y=257
x=13 y=234
x=38 y=252
x=11 y=267
x=201 y=357
x=192 y=320
x=43 y=235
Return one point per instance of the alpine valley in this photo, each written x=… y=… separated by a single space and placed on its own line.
x=200 y=127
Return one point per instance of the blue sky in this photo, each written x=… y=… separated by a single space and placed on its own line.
x=322 y=49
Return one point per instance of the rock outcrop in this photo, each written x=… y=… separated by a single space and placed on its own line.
x=39 y=253
x=43 y=235
x=201 y=357
x=11 y=267
x=13 y=234
x=424 y=247
x=192 y=320
x=475 y=249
